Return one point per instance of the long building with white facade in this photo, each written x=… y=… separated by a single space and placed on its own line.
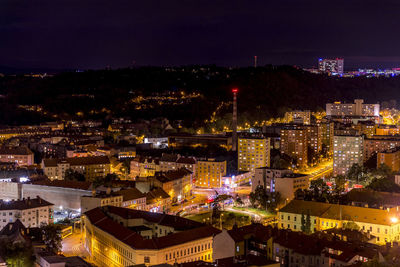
x=116 y=236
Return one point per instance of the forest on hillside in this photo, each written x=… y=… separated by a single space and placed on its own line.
x=264 y=92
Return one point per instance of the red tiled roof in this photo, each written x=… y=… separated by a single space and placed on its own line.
x=77 y=161
x=99 y=219
x=21 y=150
x=186 y=160
x=24 y=204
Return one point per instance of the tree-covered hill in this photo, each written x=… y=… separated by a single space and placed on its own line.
x=264 y=92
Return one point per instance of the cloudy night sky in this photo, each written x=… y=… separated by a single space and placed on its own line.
x=83 y=34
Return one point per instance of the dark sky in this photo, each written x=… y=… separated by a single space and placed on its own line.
x=96 y=33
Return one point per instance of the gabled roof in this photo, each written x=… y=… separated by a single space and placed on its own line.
x=77 y=161
x=186 y=160
x=341 y=212
x=130 y=194
x=21 y=150
x=24 y=204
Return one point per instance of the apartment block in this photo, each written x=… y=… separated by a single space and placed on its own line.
x=348 y=150
x=294 y=144
x=390 y=158
x=358 y=108
x=90 y=167
x=209 y=173
x=31 y=212
x=298 y=116
x=378 y=144
x=253 y=153
x=22 y=156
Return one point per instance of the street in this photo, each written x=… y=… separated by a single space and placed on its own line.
x=73 y=246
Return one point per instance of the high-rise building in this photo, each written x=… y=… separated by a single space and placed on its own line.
x=327 y=129
x=209 y=173
x=379 y=144
x=358 y=108
x=314 y=137
x=298 y=116
x=348 y=150
x=253 y=153
x=390 y=158
x=294 y=144
x=331 y=66
x=234 y=120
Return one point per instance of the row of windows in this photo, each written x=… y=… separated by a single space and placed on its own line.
x=189 y=251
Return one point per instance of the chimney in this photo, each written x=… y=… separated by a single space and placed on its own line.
x=93 y=193
x=108 y=192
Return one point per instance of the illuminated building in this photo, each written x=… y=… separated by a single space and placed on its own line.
x=253 y=153
x=170 y=162
x=23 y=156
x=100 y=200
x=32 y=212
x=314 y=137
x=116 y=236
x=390 y=158
x=331 y=66
x=234 y=120
x=294 y=144
x=177 y=183
x=298 y=116
x=283 y=181
x=157 y=200
x=356 y=109
x=348 y=150
x=132 y=198
x=382 y=223
x=387 y=130
x=327 y=130
x=209 y=173
x=366 y=127
x=90 y=167
x=379 y=144
x=144 y=166
x=126 y=153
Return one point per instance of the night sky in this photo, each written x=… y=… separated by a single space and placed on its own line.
x=82 y=34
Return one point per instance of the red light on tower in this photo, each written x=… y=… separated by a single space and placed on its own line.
x=235 y=90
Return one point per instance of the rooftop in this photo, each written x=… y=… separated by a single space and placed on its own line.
x=342 y=212
x=21 y=150
x=23 y=204
x=100 y=219
x=77 y=161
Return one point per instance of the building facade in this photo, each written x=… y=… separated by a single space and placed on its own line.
x=331 y=66
x=294 y=144
x=123 y=237
x=358 y=108
x=209 y=173
x=31 y=212
x=22 y=156
x=90 y=167
x=384 y=224
x=253 y=153
x=348 y=150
